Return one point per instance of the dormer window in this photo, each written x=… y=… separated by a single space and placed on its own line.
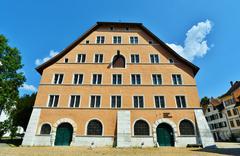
x=118 y=61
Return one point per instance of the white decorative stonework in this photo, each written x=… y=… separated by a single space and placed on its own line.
x=204 y=130
x=167 y=121
x=54 y=129
x=123 y=129
x=29 y=137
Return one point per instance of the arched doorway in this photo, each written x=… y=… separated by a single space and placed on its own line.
x=64 y=134
x=165 y=135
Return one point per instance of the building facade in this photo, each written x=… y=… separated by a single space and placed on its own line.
x=117 y=85
x=222 y=115
x=217 y=121
x=231 y=104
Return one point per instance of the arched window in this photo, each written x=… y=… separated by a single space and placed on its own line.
x=141 y=128
x=118 y=61
x=45 y=129
x=94 y=128
x=186 y=128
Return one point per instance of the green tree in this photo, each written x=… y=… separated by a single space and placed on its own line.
x=23 y=110
x=204 y=101
x=10 y=80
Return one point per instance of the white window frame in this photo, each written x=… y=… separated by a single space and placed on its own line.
x=177 y=79
x=100 y=39
x=116 y=101
x=54 y=74
x=121 y=79
x=53 y=100
x=164 y=98
x=134 y=40
x=81 y=58
x=117 y=39
x=95 y=101
x=98 y=61
x=160 y=76
x=78 y=78
x=96 y=78
x=138 y=101
x=69 y=102
x=136 y=79
x=134 y=58
x=181 y=103
x=154 y=61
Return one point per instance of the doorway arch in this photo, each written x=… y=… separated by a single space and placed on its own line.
x=170 y=123
x=165 y=135
x=64 y=134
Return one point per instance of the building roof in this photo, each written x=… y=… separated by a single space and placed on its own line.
x=215 y=102
x=41 y=67
x=235 y=86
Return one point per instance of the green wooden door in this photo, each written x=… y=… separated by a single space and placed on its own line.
x=164 y=135
x=64 y=135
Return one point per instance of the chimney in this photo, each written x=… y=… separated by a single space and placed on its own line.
x=231 y=83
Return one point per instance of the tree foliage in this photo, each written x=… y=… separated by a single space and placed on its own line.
x=204 y=101
x=23 y=110
x=10 y=80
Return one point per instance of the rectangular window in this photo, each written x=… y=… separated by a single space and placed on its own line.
x=229 y=113
x=234 y=111
x=98 y=58
x=53 y=100
x=58 y=79
x=116 y=79
x=81 y=58
x=138 y=101
x=238 y=122
x=220 y=115
x=134 y=58
x=232 y=124
x=136 y=79
x=181 y=101
x=95 y=101
x=177 y=79
x=133 y=40
x=97 y=79
x=78 y=79
x=159 y=101
x=100 y=39
x=157 y=79
x=75 y=101
x=116 y=101
x=154 y=58
x=117 y=40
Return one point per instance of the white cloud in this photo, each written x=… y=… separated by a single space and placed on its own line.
x=195 y=44
x=52 y=53
x=28 y=87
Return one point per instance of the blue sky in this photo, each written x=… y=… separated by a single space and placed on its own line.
x=38 y=27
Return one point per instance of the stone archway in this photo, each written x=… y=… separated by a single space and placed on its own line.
x=60 y=121
x=154 y=129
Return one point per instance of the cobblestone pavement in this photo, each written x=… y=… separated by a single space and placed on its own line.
x=223 y=149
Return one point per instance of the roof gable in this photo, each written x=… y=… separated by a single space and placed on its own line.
x=96 y=26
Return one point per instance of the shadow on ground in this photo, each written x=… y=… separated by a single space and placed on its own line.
x=225 y=151
x=15 y=142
